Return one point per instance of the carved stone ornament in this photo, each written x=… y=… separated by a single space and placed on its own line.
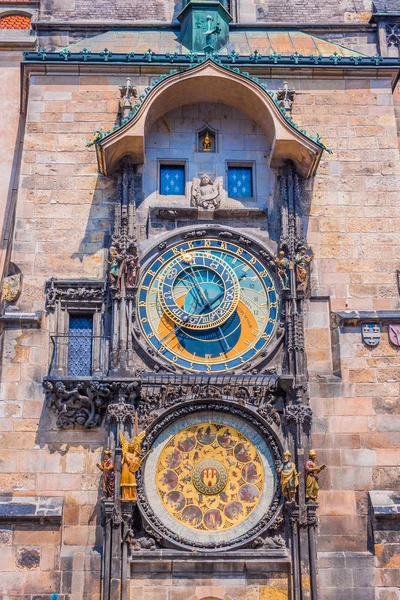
x=269 y=543
x=253 y=391
x=299 y=414
x=168 y=533
x=206 y=193
x=11 y=287
x=83 y=403
x=73 y=291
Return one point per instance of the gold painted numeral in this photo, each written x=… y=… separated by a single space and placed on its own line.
x=142 y=303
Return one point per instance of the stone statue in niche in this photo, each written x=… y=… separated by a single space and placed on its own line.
x=312 y=470
x=284 y=267
x=302 y=264
x=289 y=477
x=108 y=478
x=206 y=193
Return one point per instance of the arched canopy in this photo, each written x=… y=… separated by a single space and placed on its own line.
x=210 y=82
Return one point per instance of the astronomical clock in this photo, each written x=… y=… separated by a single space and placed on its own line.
x=208 y=306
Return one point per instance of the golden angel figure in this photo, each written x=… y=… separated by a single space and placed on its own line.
x=131 y=462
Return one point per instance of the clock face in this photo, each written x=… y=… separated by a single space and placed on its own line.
x=208 y=305
x=210 y=478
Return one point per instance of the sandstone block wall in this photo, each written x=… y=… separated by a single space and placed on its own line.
x=63 y=226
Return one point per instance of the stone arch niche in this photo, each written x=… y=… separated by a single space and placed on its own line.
x=174 y=138
x=210 y=82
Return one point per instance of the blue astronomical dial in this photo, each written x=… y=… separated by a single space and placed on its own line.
x=208 y=306
x=199 y=291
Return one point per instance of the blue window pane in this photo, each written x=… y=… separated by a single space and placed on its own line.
x=172 y=180
x=80 y=345
x=240 y=183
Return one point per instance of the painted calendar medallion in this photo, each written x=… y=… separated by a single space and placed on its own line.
x=209 y=475
x=207 y=306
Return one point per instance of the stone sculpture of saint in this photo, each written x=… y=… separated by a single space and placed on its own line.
x=131 y=268
x=207 y=194
x=115 y=266
x=302 y=266
x=131 y=462
x=289 y=477
x=311 y=471
x=283 y=265
x=108 y=478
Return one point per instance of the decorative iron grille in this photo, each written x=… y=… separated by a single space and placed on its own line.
x=80 y=345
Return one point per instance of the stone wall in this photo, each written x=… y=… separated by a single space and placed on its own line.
x=9 y=122
x=63 y=227
x=236 y=580
x=247 y=11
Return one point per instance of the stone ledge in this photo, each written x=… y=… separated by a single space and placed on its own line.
x=373 y=316
x=31 y=508
x=385 y=504
x=21 y=319
x=244 y=562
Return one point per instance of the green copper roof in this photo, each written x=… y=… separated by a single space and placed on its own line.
x=100 y=135
x=243 y=42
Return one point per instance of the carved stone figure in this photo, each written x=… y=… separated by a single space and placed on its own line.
x=131 y=462
x=312 y=470
x=11 y=287
x=289 y=477
x=302 y=266
x=131 y=268
x=205 y=193
x=115 y=266
x=108 y=478
x=283 y=265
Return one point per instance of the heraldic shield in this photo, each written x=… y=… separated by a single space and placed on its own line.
x=371 y=334
x=394 y=334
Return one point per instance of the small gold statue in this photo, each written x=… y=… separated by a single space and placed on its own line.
x=207 y=143
x=131 y=462
x=108 y=479
x=311 y=470
x=289 y=477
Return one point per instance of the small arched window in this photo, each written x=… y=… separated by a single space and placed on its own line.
x=15 y=22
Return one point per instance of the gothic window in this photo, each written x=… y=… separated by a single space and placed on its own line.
x=80 y=340
x=240 y=181
x=172 y=180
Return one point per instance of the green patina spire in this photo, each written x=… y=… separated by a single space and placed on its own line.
x=204 y=25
